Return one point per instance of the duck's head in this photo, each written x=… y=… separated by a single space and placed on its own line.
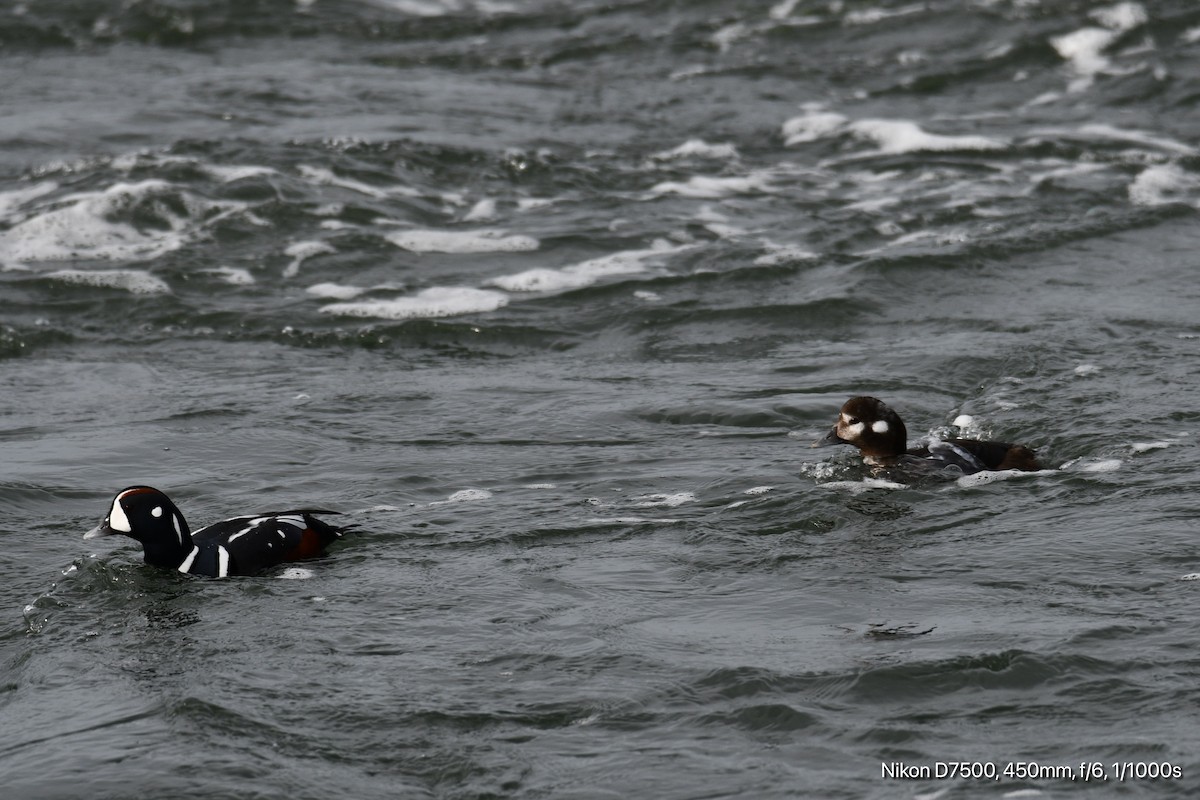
x=870 y=425
x=147 y=515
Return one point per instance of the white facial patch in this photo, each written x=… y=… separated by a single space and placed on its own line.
x=117 y=519
x=156 y=511
x=856 y=429
x=879 y=426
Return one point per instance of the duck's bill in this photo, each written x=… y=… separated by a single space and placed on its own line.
x=100 y=530
x=829 y=439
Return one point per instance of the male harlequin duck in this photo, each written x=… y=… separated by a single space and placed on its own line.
x=238 y=546
x=879 y=434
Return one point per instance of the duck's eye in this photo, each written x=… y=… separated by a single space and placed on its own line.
x=852 y=421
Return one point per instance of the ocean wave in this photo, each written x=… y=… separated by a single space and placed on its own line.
x=125 y=222
x=462 y=242
x=133 y=281
x=587 y=273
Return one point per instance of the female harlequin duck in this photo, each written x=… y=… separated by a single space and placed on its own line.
x=877 y=431
x=238 y=546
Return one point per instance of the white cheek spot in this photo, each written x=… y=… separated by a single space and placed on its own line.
x=156 y=511
x=117 y=519
x=879 y=426
x=856 y=429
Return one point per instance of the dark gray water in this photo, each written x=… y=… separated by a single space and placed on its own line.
x=551 y=298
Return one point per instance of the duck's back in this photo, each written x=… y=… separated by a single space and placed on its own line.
x=973 y=455
x=245 y=545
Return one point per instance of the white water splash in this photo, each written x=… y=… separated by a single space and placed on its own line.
x=586 y=273
x=436 y=301
x=462 y=242
x=129 y=280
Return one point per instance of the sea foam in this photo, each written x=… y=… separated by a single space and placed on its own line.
x=894 y=136
x=586 y=273
x=1163 y=184
x=711 y=188
x=129 y=280
x=476 y=241
x=436 y=301
x=81 y=226
x=301 y=251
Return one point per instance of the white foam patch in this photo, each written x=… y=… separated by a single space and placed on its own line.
x=81 y=226
x=301 y=252
x=757 y=490
x=1121 y=17
x=464 y=496
x=871 y=16
x=995 y=476
x=1086 y=369
x=483 y=210
x=1103 y=465
x=665 y=500
x=1162 y=184
x=462 y=242
x=540 y=486
x=703 y=186
x=233 y=275
x=1191 y=576
x=813 y=125
x=698 y=148
x=783 y=254
x=295 y=574
x=128 y=280
x=440 y=8
x=235 y=173
x=586 y=273
x=726 y=36
x=542 y=279
x=1084 y=51
x=896 y=136
x=599 y=522
x=865 y=485
x=436 y=301
x=1103 y=131
x=334 y=291
x=14 y=199
x=326 y=177
x=963 y=421
x=783 y=10
x=1145 y=447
